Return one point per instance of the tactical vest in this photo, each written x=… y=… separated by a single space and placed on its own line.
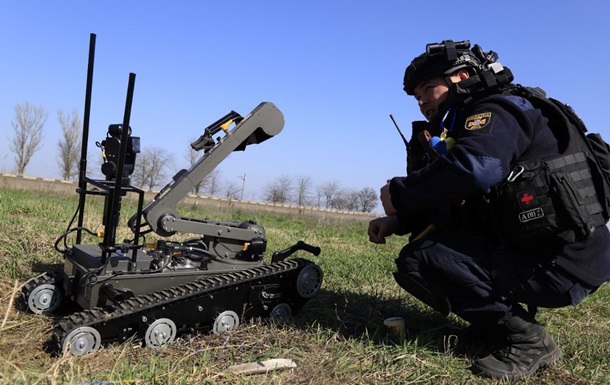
x=545 y=204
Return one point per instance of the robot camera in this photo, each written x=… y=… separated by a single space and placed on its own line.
x=117 y=129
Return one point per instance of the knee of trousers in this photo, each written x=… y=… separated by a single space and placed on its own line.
x=427 y=292
x=409 y=278
x=407 y=260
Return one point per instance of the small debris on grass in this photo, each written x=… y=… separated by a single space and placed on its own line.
x=259 y=367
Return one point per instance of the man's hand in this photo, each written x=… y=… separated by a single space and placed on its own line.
x=386 y=199
x=380 y=228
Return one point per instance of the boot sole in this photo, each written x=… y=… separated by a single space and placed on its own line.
x=544 y=362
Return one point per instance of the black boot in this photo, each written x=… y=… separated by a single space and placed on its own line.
x=477 y=340
x=529 y=348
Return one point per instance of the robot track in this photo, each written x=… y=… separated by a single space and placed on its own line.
x=214 y=304
x=42 y=294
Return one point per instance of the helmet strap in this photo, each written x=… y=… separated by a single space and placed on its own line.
x=450 y=50
x=480 y=84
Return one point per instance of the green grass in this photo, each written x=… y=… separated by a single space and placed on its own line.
x=338 y=338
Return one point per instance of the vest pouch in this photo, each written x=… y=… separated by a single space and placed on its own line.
x=601 y=177
x=571 y=209
x=540 y=208
x=577 y=199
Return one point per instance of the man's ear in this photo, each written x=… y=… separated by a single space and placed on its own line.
x=463 y=74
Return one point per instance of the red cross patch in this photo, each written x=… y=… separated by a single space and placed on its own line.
x=527 y=200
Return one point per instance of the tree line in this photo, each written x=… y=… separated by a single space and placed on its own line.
x=153 y=166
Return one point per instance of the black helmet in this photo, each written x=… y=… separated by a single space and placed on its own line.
x=447 y=57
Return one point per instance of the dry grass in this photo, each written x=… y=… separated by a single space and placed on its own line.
x=338 y=338
x=322 y=356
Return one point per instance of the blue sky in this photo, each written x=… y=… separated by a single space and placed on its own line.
x=334 y=68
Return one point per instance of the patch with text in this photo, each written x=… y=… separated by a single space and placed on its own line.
x=478 y=121
x=531 y=215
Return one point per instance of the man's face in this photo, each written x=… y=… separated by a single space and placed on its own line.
x=429 y=95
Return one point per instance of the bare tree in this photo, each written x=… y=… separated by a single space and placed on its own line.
x=368 y=199
x=232 y=190
x=303 y=187
x=364 y=200
x=151 y=167
x=28 y=133
x=69 y=145
x=278 y=191
x=339 y=201
x=350 y=200
x=330 y=191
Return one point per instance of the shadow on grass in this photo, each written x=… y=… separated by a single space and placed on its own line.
x=361 y=316
x=350 y=314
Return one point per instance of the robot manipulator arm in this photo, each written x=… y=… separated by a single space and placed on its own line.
x=264 y=122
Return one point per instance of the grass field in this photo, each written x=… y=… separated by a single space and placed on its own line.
x=338 y=338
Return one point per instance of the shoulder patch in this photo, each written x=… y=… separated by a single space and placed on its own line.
x=478 y=121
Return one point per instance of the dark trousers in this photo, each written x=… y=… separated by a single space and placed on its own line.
x=484 y=282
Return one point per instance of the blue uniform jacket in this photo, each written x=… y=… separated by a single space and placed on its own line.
x=490 y=136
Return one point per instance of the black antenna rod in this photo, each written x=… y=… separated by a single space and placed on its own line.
x=400 y=132
x=82 y=184
x=115 y=197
